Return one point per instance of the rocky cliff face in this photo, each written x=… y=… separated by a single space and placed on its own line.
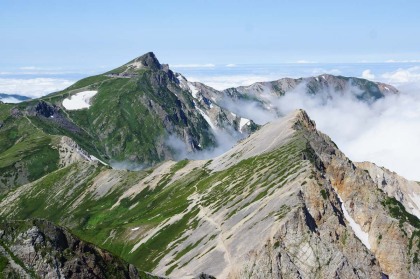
x=404 y=191
x=385 y=227
x=39 y=249
x=284 y=203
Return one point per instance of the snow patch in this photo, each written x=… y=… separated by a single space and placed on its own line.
x=136 y=65
x=186 y=85
x=363 y=236
x=193 y=89
x=415 y=198
x=207 y=118
x=182 y=81
x=243 y=122
x=80 y=100
x=93 y=158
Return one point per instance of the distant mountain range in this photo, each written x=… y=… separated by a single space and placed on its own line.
x=283 y=202
x=12 y=98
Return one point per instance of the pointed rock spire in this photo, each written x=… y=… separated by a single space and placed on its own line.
x=148 y=60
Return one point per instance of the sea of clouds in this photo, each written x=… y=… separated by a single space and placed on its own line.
x=33 y=87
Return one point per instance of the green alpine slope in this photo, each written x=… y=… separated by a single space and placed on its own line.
x=277 y=196
x=139 y=113
x=130 y=117
x=26 y=152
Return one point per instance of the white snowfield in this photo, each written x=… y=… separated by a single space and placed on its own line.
x=80 y=100
x=243 y=122
x=363 y=236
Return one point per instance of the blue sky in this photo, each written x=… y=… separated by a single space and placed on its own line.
x=102 y=34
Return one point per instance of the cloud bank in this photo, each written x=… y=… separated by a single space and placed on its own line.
x=386 y=132
x=225 y=140
x=34 y=88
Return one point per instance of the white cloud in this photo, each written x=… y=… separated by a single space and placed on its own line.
x=367 y=74
x=402 y=61
x=29 y=68
x=408 y=75
x=386 y=132
x=9 y=100
x=231 y=65
x=33 y=88
x=193 y=66
x=303 y=61
x=320 y=71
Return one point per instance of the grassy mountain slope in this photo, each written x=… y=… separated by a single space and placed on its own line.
x=274 y=198
x=130 y=117
x=139 y=110
x=26 y=152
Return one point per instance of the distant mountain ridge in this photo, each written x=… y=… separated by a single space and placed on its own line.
x=13 y=98
x=363 y=89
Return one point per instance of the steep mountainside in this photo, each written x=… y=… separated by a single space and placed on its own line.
x=283 y=203
x=130 y=113
x=404 y=191
x=136 y=115
x=39 y=249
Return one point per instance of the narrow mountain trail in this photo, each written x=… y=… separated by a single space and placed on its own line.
x=206 y=215
x=36 y=127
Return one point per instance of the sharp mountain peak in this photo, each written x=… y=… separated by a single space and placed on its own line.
x=148 y=60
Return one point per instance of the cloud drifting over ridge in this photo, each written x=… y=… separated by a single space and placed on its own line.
x=386 y=132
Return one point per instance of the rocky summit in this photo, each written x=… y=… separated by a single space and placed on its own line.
x=283 y=202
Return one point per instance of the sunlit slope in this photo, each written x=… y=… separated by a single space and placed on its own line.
x=140 y=114
x=268 y=202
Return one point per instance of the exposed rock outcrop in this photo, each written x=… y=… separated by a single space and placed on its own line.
x=40 y=249
x=403 y=190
